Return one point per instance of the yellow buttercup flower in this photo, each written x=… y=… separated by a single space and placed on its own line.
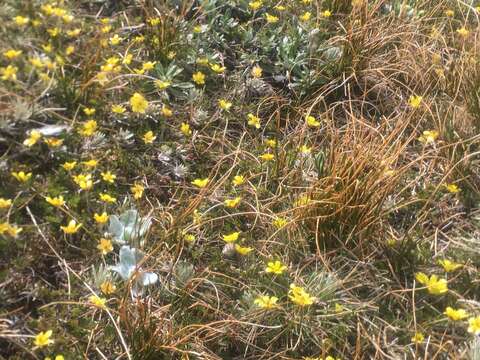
x=198 y=78
x=88 y=128
x=304 y=149
x=255 y=5
x=84 y=181
x=118 y=109
x=233 y=203
x=9 y=73
x=89 y=111
x=101 y=218
x=5 y=203
x=217 y=68
x=428 y=136
x=415 y=101
x=232 y=237
x=107 y=198
x=43 y=339
x=449 y=13
x=201 y=183
x=238 y=180
x=107 y=287
x=22 y=176
x=224 y=104
x=92 y=163
x=69 y=165
x=108 y=177
x=12 y=54
x=266 y=302
x=105 y=246
x=137 y=190
x=271 y=143
x=463 y=32
x=449 y=266
x=71 y=228
x=243 y=250
x=115 y=40
x=275 y=267
x=418 y=338
x=326 y=13
x=279 y=222
x=267 y=157
x=299 y=296
x=11 y=230
x=154 y=21
x=185 y=129
x=434 y=285
x=474 y=325
x=162 y=85
x=455 y=314
x=253 y=120
x=98 y=301
x=311 y=121
x=149 y=137
x=306 y=16
x=56 y=201
x=53 y=142
x=166 y=111
x=138 y=103
x=33 y=138
x=271 y=19
x=257 y=72
x=452 y=188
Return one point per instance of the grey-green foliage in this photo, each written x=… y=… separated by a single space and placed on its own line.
x=128 y=228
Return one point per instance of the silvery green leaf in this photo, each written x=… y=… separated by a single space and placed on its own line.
x=52 y=130
x=147 y=278
x=116 y=228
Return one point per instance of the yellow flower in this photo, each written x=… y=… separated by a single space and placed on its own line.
x=22 y=176
x=267 y=157
x=279 y=7
x=455 y=314
x=275 y=267
x=138 y=103
x=304 y=149
x=107 y=198
x=149 y=137
x=217 y=68
x=302 y=201
x=88 y=128
x=253 y=121
x=149 y=65
x=154 y=21
x=232 y=203
x=11 y=230
x=107 y=287
x=306 y=16
x=53 y=32
x=12 y=54
x=311 y=121
x=53 y=142
x=162 y=85
x=92 y=163
x=118 y=109
x=56 y=201
x=98 y=301
x=42 y=339
x=202 y=61
x=463 y=32
x=299 y=296
x=232 y=237
x=166 y=111
x=69 y=165
x=84 y=181
x=33 y=138
x=449 y=13
x=189 y=238
x=257 y=72
x=243 y=250
x=199 y=78
x=137 y=190
x=5 y=203
x=224 y=104
x=452 y=188
x=106 y=29
x=105 y=246
x=9 y=73
x=449 y=266
x=271 y=19
x=21 y=20
x=89 y=111
x=266 y=302
x=271 y=143
x=69 y=50
x=255 y=5
x=279 y=222
x=200 y=183
x=185 y=129
x=71 y=228
x=418 y=338
x=474 y=325
x=74 y=32
x=434 y=285
x=47 y=48
x=428 y=136
x=101 y=219
x=115 y=40
x=238 y=180
x=108 y=177
x=127 y=59
x=415 y=100
x=326 y=14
